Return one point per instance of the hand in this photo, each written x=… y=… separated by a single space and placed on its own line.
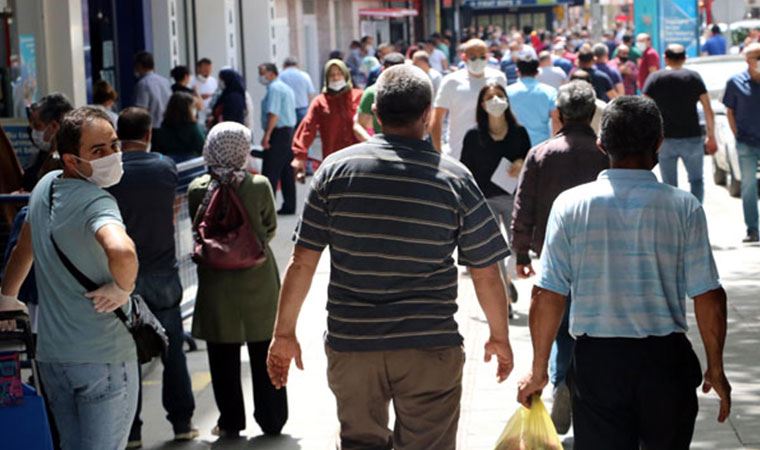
x=108 y=297
x=10 y=303
x=525 y=271
x=503 y=352
x=265 y=142
x=282 y=351
x=299 y=167
x=514 y=170
x=717 y=381
x=533 y=383
x=711 y=146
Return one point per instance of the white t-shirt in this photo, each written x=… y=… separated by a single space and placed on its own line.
x=552 y=75
x=207 y=87
x=459 y=95
x=435 y=78
x=436 y=60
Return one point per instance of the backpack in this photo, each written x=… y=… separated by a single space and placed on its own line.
x=224 y=238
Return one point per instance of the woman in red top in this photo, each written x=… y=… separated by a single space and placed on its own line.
x=331 y=114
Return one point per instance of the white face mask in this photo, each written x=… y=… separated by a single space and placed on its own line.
x=337 y=85
x=201 y=78
x=496 y=106
x=642 y=46
x=106 y=171
x=264 y=80
x=38 y=139
x=477 y=67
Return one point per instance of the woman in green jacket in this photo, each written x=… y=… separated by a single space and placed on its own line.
x=180 y=136
x=234 y=307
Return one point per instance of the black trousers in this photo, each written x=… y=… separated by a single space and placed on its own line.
x=276 y=166
x=634 y=393
x=270 y=405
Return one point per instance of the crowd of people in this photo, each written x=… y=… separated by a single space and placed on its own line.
x=429 y=151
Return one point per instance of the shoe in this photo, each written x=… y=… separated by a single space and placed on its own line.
x=224 y=433
x=285 y=212
x=185 y=436
x=751 y=237
x=134 y=444
x=561 y=408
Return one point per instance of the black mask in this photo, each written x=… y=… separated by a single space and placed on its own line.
x=623 y=59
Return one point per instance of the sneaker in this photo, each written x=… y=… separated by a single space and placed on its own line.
x=224 y=433
x=561 y=408
x=134 y=444
x=751 y=237
x=185 y=436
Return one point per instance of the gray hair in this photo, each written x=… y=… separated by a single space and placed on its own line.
x=403 y=94
x=600 y=50
x=576 y=101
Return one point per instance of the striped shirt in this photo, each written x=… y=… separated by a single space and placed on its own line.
x=393 y=210
x=630 y=249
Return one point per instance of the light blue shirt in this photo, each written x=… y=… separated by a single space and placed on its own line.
x=281 y=102
x=152 y=92
x=300 y=82
x=532 y=103
x=630 y=249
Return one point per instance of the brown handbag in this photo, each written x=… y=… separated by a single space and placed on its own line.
x=224 y=238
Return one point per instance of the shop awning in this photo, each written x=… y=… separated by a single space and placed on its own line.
x=387 y=13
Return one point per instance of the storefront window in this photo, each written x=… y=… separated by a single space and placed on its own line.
x=18 y=70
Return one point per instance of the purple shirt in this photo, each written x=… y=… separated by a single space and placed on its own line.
x=610 y=72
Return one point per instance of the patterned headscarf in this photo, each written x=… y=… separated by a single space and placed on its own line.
x=226 y=152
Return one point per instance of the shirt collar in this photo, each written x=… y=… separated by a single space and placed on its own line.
x=528 y=80
x=628 y=175
x=400 y=141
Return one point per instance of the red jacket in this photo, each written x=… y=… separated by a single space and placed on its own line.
x=333 y=117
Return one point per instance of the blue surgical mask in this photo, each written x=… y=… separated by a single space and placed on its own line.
x=264 y=80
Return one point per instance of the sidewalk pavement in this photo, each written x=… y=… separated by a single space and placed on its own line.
x=487 y=405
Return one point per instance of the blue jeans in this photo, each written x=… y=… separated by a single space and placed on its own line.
x=93 y=404
x=163 y=294
x=562 y=350
x=692 y=152
x=748 y=157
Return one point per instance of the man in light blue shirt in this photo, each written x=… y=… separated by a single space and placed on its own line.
x=152 y=91
x=302 y=86
x=630 y=249
x=278 y=119
x=533 y=103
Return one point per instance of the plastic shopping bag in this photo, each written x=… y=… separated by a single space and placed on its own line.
x=530 y=429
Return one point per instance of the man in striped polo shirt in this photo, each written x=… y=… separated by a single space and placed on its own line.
x=393 y=211
x=631 y=250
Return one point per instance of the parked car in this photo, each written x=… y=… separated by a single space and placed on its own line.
x=739 y=31
x=716 y=71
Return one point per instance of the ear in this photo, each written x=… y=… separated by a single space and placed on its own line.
x=69 y=161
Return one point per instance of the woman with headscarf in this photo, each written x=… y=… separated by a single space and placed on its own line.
x=230 y=106
x=331 y=114
x=235 y=307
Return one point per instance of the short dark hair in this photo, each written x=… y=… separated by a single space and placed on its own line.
x=69 y=137
x=179 y=73
x=715 y=29
x=675 y=55
x=52 y=107
x=178 y=110
x=528 y=66
x=631 y=125
x=403 y=94
x=202 y=61
x=269 y=67
x=585 y=55
x=102 y=92
x=133 y=124
x=393 y=59
x=145 y=60
x=627 y=38
x=290 y=61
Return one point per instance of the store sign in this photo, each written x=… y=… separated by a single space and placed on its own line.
x=669 y=22
x=484 y=4
x=18 y=134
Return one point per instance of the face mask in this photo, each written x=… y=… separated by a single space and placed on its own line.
x=623 y=59
x=496 y=106
x=106 y=171
x=263 y=80
x=477 y=66
x=38 y=139
x=201 y=78
x=642 y=46
x=337 y=85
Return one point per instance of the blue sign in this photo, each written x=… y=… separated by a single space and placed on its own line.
x=18 y=134
x=679 y=25
x=647 y=19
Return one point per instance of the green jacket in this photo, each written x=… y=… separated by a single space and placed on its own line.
x=236 y=306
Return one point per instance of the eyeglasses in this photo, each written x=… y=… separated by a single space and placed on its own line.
x=475 y=58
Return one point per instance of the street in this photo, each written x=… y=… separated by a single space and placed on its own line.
x=486 y=405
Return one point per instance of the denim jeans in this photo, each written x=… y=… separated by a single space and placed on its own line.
x=748 y=157
x=93 y=404
x=562 y=350
x=692 y=152
x=163 y=294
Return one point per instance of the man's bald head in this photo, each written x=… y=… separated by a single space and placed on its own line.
x=752 y=51
x=475 y=48
x=675 y=54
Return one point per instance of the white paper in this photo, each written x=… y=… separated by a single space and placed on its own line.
x=502 y=178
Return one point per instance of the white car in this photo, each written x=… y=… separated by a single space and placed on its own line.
x=716 y=71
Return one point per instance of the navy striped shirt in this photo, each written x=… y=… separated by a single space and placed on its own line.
x=393 y=211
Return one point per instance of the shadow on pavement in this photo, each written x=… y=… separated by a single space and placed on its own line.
x=283 y=442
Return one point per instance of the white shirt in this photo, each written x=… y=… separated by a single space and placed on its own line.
x=553 y=76
x=205 y=87
x=459 y=95
x=435 y=78
x=436 y=59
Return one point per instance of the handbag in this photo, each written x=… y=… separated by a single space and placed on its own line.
x=148 y=333
x=224 y=238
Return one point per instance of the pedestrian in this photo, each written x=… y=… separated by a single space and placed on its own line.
x=331 y=115
x=628 y=69
x=393 y=284
x=354 y=63
x=649 y=61
x=145 y=196
x=634 y=374
x=437 y=59
x=383 y=50
x=497 y=136
x=677 y=91
x=534 y=103
x=634 y=54
x=45 y=117
x=742 y=100
x=421 y=59
x=548 y=73
x=152 y=91
x=508 y=63
x=180 y=136
x=716 y=44
x=456 y=97
x=559 y=60
x=300 y=82
x=183 y=83
x=278 y=119
x=603 y=85
x=230 y=105
x=602 y=60
x=206 y=86
x=86 y=356
x=596 y=121
x=235 y=307
x=365 y=117
x=568 y=160
x=104 y=95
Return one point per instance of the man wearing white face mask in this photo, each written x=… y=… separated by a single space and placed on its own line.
x=86 y=355
x=44 y=122
x=649 y=61
x=457 y=97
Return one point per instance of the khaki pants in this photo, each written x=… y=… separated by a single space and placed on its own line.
x=424 y=384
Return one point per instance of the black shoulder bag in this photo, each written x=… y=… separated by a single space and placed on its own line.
x=148 y=333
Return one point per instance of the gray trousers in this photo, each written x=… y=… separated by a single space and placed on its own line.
x=501 y=207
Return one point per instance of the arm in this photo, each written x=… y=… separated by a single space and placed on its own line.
x=619 y=89
x=612 y=93
x=436 y=126
x=271 y=123
x=362 y=123
x=731 y=115
x=122 y=263
x=556 y=123
x=268 y=211
x=710 y=143
x=295 y=286
x=489 y=288
x=523 y=215
x=304 y=137
x=710 y=309
x=546 y=311
x=19 y=263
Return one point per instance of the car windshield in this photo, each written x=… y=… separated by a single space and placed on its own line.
x=716 y=73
